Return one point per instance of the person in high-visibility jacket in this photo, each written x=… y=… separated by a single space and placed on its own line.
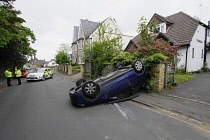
x=8 y=75
x=18 y=75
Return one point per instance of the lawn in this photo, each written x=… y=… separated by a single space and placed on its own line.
x=183 y=77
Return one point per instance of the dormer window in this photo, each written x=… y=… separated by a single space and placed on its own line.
x=110 y=29
x=160 y=28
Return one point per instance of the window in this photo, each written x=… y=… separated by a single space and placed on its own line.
x=157 y=29
x=115 y=31
x=192 y=52
x=202 y=54
x=160 y=28
x=110 y=29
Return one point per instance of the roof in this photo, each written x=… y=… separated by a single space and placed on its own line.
x=161 y=18
x=76 y=31
x=183 y=28
x=88 y=27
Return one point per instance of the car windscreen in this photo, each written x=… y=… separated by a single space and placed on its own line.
x=38 y=71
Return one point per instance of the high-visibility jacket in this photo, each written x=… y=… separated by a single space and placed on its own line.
x=18 y=73
x=8 y=73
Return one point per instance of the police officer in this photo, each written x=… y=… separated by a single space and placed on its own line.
x=18 y=75
x=8 y=75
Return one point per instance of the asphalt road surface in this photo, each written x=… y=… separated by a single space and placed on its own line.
x=43 y=111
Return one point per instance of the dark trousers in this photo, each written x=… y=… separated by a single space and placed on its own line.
x=9 y=81
x=19 y=81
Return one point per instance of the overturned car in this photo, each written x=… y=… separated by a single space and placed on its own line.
x=109 y=88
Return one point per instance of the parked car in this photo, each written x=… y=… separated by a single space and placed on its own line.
x=109 y=88
x=39 y=74
x=24 y=73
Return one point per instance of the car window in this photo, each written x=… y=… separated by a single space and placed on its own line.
x=38 y=71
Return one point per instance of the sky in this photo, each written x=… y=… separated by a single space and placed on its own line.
x=52 y=21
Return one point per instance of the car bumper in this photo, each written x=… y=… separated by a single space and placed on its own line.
x=75 y=98
x=33 y=79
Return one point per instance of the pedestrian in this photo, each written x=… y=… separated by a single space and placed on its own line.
x=8 y=75
x=18 y=75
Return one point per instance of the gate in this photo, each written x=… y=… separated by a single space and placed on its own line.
x=169 y=75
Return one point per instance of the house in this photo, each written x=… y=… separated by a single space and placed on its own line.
x=36 y=63
x=85 y=32
x=191 y=35
x=51 y=63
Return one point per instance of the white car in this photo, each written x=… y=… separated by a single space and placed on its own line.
x=38 y=74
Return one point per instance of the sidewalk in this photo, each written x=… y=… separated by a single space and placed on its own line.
x=191 y=108
x=74 y=77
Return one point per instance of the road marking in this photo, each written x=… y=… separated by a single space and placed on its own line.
x=190 y=121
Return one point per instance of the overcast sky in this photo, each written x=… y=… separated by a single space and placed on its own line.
x=52 y=21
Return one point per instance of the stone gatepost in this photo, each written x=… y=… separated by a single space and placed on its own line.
x=82 y=68
x=158 y=78
x=69 y=70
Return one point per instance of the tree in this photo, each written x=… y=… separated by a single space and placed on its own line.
x=15 y=39
x=62 y=56
x=153 y=50
x=150 y=45
x=103 y=48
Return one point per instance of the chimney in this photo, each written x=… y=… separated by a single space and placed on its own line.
x=209 y=23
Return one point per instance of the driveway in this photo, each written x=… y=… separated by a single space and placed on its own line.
x=196 y=89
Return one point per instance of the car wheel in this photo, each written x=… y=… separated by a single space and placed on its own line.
x=137 y=66
x=80 y=82
x=90 y=90
x=44 y=78
x=119 y=65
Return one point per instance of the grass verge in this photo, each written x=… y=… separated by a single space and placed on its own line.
x=183 y=77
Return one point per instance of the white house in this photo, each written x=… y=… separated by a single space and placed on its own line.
x=191 y=35
x=85 y=33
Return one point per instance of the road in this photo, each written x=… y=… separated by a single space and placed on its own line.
x=42 y=111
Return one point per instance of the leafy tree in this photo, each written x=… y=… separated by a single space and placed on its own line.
x=103 y=48
x=148 y=43
x=15 y=39
x=124 y=57
x=62 y=56
x=153 y=50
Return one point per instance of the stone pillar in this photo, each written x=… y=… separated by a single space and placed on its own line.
x=82 y=68
x=158 y=78
x=69 y=70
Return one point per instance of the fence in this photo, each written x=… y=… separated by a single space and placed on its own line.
x=88 y=72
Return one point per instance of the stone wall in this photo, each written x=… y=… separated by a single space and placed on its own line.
x=158 y=78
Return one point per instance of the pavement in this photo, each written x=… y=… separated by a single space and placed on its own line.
x=190 y=99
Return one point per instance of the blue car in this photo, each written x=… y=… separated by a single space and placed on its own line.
x=116 y=86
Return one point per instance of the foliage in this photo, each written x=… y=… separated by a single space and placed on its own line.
x=205 y=67
x=158 y=46
x=103 y=48
x=153 y=50
x=125 y=57
x=75 y=68
x=15 y=39
x=62 y=56
x=180 y=70
x=149 y=63
x=183 y=77
x=146 y=32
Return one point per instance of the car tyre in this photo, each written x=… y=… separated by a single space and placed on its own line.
x=43 y=78
x=137 y=66
x=119 y=65
x=90 y=90
x=80 y=82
